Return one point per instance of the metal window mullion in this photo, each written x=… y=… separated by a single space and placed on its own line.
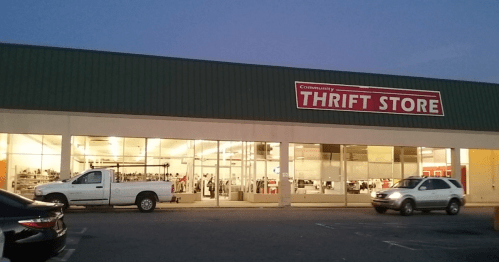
x=344 y=171
x=217 y=195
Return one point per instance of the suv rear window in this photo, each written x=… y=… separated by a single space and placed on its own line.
x=454 y=182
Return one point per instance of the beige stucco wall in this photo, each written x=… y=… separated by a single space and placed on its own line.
x=42 y=122
x=484 y=176
x=71 y=124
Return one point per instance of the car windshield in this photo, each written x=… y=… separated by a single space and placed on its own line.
x=407 y=183
x=15 y=197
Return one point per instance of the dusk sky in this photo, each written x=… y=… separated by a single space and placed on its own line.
x=438 y=39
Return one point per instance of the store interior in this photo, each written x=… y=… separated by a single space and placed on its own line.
x=244 y=167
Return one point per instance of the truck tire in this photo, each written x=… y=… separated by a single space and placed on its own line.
x=147 y=203
x=407 y=208
x=59 y=199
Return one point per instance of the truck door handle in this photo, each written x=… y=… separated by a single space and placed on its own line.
x=98 y=187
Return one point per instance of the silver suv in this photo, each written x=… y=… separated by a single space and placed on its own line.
x=419 y=193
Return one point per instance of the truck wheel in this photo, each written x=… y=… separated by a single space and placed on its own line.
x=406 y=208
x=453 y=208
x=147 y=203
x=380 y=210
x=58 y=200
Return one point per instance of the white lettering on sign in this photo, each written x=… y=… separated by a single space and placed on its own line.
x=368 y=99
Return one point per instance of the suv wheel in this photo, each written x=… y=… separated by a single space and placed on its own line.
x=406 y=208
x=453 y=207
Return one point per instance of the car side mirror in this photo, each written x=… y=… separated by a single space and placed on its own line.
x=422 y=188
x=75 y=182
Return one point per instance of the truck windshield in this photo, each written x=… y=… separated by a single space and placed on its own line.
x=407 y=183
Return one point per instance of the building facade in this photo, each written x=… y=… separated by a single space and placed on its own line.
x=260 y=133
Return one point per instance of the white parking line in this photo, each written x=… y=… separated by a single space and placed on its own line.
x=81 y=232
x=392 y=243
x=322 y=225
x=73 y=240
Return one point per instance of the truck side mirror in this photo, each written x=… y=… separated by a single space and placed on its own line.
x=422 y=188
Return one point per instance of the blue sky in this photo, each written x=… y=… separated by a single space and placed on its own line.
x=439 y=39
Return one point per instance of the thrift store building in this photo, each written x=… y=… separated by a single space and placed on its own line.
x=261 y=133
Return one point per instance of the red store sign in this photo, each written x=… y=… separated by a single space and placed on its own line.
x=368 y=99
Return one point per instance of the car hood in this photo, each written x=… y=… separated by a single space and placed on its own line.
x=49 y=185
x=393 y=190
x=39 y=205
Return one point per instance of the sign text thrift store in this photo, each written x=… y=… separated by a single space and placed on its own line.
x=368 y=99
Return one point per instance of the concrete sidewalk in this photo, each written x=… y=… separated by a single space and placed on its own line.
x=244 y=204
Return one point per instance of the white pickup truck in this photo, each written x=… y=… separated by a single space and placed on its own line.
x=98 y=187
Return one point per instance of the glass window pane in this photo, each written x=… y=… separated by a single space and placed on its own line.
x=3 y=161
x=177 y=148
x=78 y=165
x=206 y=149
x=27 y=170
x=134 y=173
x=51 y=166
x=308 y=163
x=52 y=145
x=357 y=169
x=3 y=143
x=380 y=153
x=434 y=162
x=104 y=146
x=380 y=170
x=77 y=145
x=135 y=146
x=153 y=146
x=26 y=144
x=465 y=157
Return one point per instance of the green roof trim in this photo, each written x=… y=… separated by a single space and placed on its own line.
x=72 y=80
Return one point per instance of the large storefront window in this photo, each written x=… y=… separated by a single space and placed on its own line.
x=140 y=159
x=435 y=162
x=384 y=172
x=3 y=161
x=307 y=169
x=27 y=160
x=191 y=164
x=357 y=173
x=316 y=169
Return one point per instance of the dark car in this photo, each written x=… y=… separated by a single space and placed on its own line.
x=34 y=231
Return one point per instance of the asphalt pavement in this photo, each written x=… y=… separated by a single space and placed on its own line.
x=279 y=234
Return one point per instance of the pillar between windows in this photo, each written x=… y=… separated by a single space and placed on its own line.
x=284 y=185
x=65 y=156
x=455 y=154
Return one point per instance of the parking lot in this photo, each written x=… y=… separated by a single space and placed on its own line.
x=276 y=234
